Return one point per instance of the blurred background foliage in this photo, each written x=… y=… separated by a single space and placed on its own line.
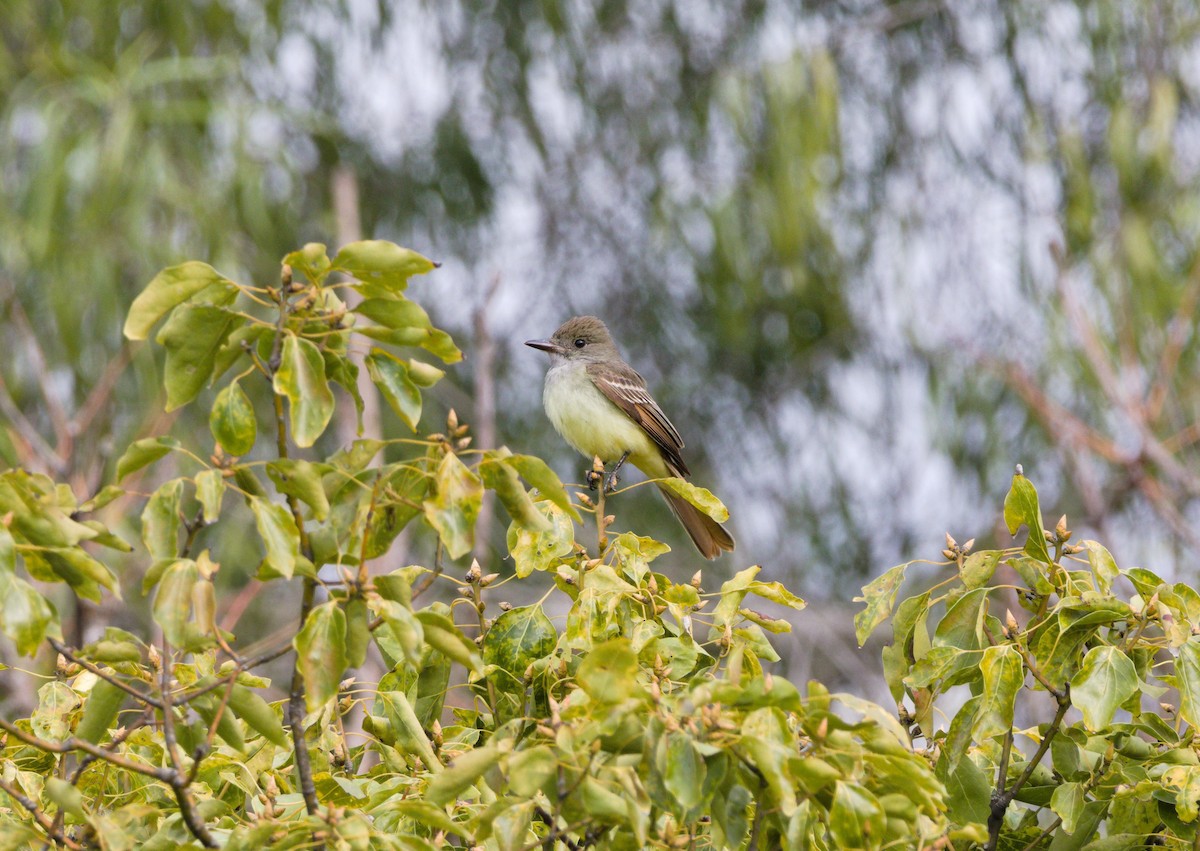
x=869 y=255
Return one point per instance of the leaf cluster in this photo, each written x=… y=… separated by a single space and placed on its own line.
x=640 y=716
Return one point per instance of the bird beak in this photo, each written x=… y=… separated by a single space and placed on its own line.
x=545 y=346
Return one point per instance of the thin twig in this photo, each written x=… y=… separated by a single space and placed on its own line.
x=70 y=655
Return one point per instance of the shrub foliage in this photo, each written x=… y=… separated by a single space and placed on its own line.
x=644 y=719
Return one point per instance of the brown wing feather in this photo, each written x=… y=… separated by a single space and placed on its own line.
x=627 y=390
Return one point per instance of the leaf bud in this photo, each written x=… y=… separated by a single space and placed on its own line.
x=489 y=579
x=463 y=443
x=950 y=542
x=1167 y=708
x=696 y=579
x=474 y=573
x=585 y=500
x=505 y=606
x=451 y=420
x=436 y=730
x=949 y=555
x=464 y=591
x=1011 y=626
x=1060 y=529
x=1047 y=535
x=966 y=548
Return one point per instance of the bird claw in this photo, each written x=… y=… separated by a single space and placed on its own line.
x=593 y=479
x=611 y=484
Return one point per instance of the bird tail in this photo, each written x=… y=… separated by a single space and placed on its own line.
x=710 y=537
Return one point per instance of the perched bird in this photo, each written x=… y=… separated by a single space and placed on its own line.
x=601 y=406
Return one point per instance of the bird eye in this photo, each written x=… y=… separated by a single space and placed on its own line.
x=580 y=343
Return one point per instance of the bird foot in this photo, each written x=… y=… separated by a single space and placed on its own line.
x=593 y=479
x=611 y=484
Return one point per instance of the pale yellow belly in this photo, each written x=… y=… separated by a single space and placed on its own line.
x=595 y=426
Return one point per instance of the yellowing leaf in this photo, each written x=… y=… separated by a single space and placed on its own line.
x=701 y=498
x=455 y=505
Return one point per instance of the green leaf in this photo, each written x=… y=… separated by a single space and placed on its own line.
x=1021 y=509
x=279 y=534
x=192 y=337
x=466 y=769
x=390 y=375
x=301 y=479
x=251 y=708
x=532 y=770
x=321 y=653
x=171 y=287
x=777 y=593
x=161 y=522
x=25 y=615
x=533 y=550
x=410 y=735
x=1106 y=679
x=424 y=374
x=517 y=639
x=856 y=819
x=383 y=263
x=879 y=595
x=1003 y=675
x=107 y=494
x=682 y=769
x=341 y=370
x=1067 y=802
x=232 y=421
x=962 y=626
x=608 y=673
x=699 y=497
x=441 y=634
x=301 y=378
x=104 y=701
x=455 y=505
x=978 y=568
x=142 y=453
x=358 y=633
x=395 y=313
x=173 y=602
x=1103 y=565
x=84 y=573
x=66 y=796
x=210 y=491
x=311 y=261
x=500 y=477
x=1187 y=679
x=538 y=474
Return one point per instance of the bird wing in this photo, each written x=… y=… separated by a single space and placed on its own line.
x=627 y=390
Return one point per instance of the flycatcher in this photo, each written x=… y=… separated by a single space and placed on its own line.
x=601 y=406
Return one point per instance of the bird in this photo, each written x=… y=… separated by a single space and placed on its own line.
x=602 y=407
